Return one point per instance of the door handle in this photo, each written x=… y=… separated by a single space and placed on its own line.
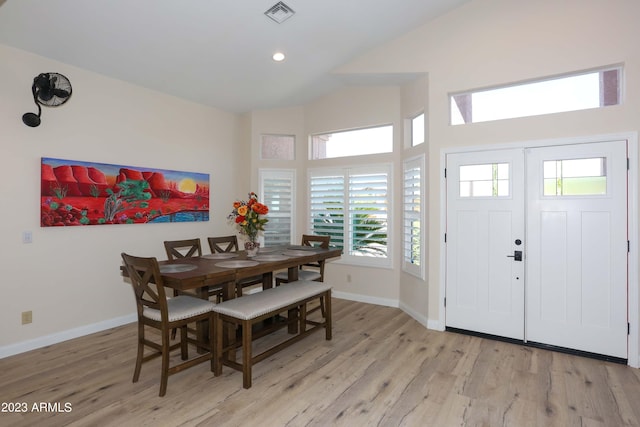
x=517 y=256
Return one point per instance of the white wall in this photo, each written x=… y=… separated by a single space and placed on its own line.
x=69 y=277
x=493 y=42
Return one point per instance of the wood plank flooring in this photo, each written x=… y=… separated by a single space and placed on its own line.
x=382 y=368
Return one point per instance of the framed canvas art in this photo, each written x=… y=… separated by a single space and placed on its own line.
x=76 y=193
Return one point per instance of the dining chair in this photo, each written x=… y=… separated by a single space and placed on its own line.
x=177 y=249
x=188 y=248
x=224 y=244
x=310 y=271
x=182 y=248
x=157 y=311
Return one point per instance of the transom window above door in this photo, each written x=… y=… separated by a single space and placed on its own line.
x=484 y=180
x=576 y=91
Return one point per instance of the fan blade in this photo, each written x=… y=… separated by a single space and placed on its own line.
x=61 y=93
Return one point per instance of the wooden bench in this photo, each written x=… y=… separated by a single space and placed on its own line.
x=248 y=310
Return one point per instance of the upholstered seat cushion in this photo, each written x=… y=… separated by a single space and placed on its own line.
x=270 y=300
x=302 y=275
x=181 y=307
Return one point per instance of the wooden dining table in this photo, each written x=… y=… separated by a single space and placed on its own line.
x=199 y=274
x=210 y=270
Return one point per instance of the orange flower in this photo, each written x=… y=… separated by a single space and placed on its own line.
x=237 y=204
x=242 y=210
x=260 y=209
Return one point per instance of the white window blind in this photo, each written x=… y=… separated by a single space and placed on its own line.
x=361 y=196
x=413 y=212
x=277 y=189
x=368 y=213
x=327 y=202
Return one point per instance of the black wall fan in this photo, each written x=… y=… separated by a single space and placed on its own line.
x=50 y=90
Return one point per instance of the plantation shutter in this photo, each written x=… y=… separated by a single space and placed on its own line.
x=278 y=193
x=368 y=211
x=326 y=207
x=352 y=206
x=413 y=175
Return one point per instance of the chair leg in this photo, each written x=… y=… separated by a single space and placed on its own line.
x=327 y=318
x=212 y=342
x=140 y=355
x=173 y=331
x=184 y=351
x=219 y=337
x=322 y=310
x=164 y=376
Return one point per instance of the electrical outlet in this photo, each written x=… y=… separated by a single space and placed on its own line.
x=27 y=237
x=27 y=317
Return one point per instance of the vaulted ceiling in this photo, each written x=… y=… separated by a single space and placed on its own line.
x=214 y=52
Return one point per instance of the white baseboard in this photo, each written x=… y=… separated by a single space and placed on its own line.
x=367 y=299
x=21 y=347
x=417 y=316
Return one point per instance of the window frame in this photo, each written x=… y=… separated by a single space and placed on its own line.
x=347 y=210
x=282 y=174
x=409 y=214
x=411 y=123
x=267 y=135
x=313 y=149
x=464 y=102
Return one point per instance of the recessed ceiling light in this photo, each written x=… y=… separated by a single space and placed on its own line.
x=278 y=56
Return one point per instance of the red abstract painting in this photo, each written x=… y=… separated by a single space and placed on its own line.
x=76 y=193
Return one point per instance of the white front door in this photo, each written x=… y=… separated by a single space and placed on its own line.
x=577 y=247
x=485 y=226
x=570 y=288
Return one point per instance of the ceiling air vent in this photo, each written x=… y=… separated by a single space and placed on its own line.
x=279 y=12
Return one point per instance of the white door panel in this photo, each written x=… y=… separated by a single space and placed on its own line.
x=577 y=256
x=485 y=288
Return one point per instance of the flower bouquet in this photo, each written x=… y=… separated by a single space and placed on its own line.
x=247 y=215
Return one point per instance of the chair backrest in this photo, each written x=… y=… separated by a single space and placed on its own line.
x=182 y=248
x=315 y=240
x=223 y=244
x=146 y=280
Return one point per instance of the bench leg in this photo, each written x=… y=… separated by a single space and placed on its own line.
x=327 y=315
x=292 y=317
x=246 y=353
x=303 y=317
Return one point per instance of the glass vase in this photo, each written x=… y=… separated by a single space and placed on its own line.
x=252 y=248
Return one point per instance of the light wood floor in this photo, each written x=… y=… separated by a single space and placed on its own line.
x=382 y=368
